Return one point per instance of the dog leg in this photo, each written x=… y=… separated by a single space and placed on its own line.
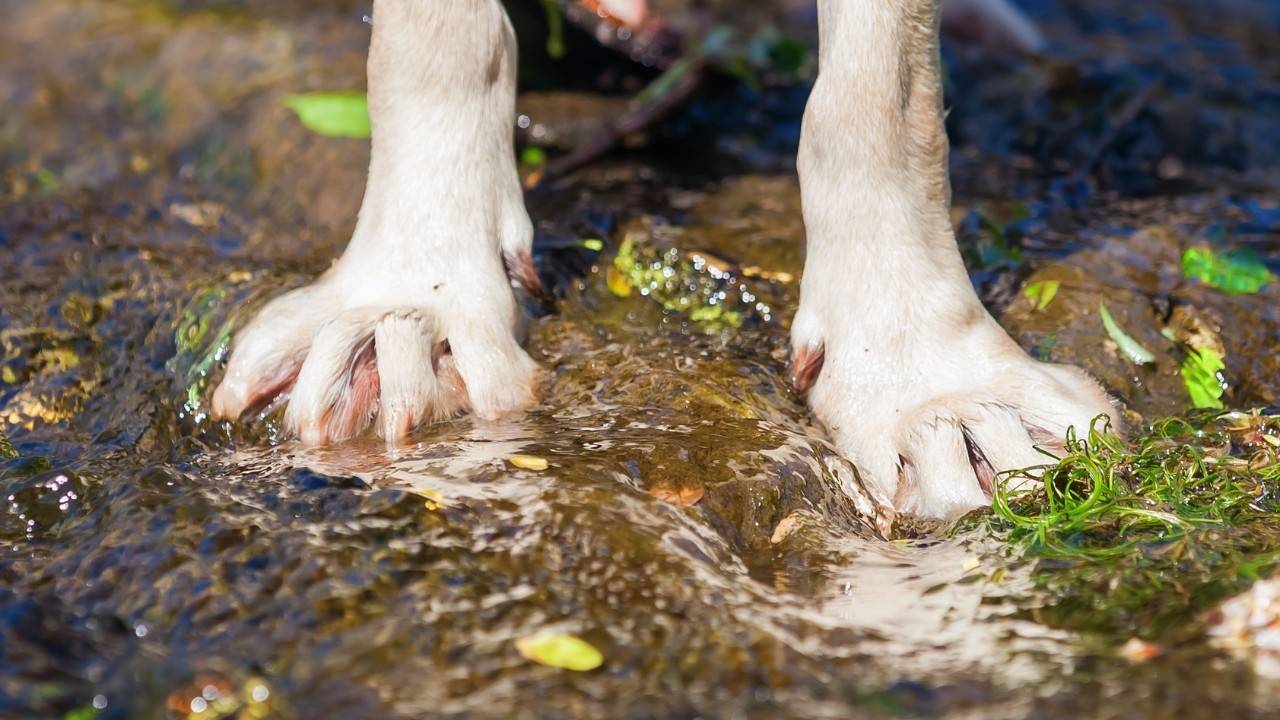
x=418 y=318
x=916 y=382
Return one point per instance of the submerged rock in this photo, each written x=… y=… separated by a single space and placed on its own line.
x=1248 y=625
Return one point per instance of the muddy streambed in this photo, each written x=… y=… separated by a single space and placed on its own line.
x=691 y=522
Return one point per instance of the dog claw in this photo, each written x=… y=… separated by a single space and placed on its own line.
x=806 y=364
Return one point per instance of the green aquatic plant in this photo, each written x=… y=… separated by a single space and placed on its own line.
x=7 y=451
x=1105 y=496
x=1138 y=537
x=987 y=241
x=534 y=157
x=555 y=29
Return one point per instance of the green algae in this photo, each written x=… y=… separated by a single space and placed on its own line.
x=705 y=289
x=202 y=340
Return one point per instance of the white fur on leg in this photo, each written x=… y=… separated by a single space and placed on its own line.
x=425 y=266
x=919 y=386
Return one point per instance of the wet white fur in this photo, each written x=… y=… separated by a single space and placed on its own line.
x=912 y=357
x=443 y=203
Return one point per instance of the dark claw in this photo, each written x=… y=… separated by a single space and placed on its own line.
x=521 y=268
x=806 y=363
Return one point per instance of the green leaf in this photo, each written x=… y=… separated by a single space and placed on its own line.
x=1131 y=348
x=555 y=29
x=1203 y=373
x=47 y=182
x=789 y=54
x=333 y=114
x=533 y=156
x=1235 y=272
x=560 y=651
x=1042 y=293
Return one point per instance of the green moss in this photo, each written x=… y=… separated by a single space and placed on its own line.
x=708 y=292
x=7 y=451
x=200 y=347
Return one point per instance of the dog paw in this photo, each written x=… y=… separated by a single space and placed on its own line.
x=417 y=320
x=346 y=353
x=932 y=419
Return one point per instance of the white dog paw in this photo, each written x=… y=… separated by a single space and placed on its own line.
x=418 y=320
x=931 y=425
x=346 y=352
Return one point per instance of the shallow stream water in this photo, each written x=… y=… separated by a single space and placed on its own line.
x=155 y=564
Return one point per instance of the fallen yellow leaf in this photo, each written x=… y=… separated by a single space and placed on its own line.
x=754 y=271
x=617 y=282
x=433 y=500
x=529 y=462
x=560 y=651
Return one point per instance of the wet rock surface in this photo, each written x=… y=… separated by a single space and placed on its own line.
x=691 y=523
x=1249 y=625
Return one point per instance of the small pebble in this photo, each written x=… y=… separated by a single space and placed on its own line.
x=1139 y=651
